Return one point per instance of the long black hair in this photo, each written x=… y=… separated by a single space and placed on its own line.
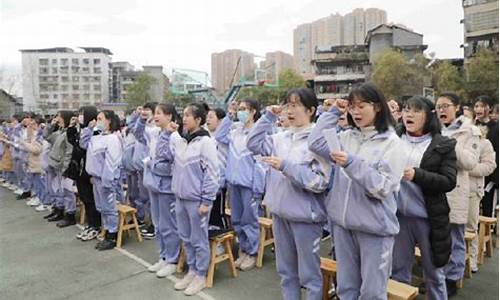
x=66 y=115
x=89 y=113
x=114 y=120
x=169 y=109
x=419 y=103
x=369 y=93
x=199 y=110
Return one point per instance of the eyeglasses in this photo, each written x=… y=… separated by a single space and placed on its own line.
x=444 y=106
x=358 y=106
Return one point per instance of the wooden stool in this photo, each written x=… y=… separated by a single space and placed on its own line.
x=401 y=291
x=469 y=237
x=395 y=290
x=329 y=271
x=265 y=238
x=225 y=239
x=123 y=212
x=485 y=238
x=182 y=259
x=496 y=216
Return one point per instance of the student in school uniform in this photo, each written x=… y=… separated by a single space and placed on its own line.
x=368 y=167
x=218 y=220
x=104 y=156
x=158 y=167
x=34 y=146
x=460 y=128
x=195 y=184
x=423 y=209
x=60 y=187
x=245 y=178
x=295 y=192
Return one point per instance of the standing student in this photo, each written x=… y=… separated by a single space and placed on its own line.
x=422 y=204
x=34 y=146
x=104 y=156
x=60 y=188
x=158 y=181
x=361 y=204
x=467 y=136
x=245 y=178
x=217 y=214
x=195 y=184
x=295 y=195
x=84 y=186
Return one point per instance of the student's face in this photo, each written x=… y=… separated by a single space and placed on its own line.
x=212 y=121
x=189 y=123
x=283 y=119
x=245 y=107
x=414 y=120
x=298 y=114
x=32 y=125
x=494 y=115
x=447 y=111
x=60 y=121
x=101 y=119
x=363 y=113
x=343 y=121
x=162 y=119
x=468 y=113
x=481 y=110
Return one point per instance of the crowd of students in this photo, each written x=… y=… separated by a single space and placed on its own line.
x=380 y=176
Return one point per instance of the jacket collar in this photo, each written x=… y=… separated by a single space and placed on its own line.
x=198 y=133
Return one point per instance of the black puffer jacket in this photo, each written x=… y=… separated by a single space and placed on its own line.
x=436 y=176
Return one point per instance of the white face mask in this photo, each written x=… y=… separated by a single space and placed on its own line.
x=80 y=119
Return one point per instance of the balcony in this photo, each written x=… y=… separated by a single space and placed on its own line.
x=340 y=77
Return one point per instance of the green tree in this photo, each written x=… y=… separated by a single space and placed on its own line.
x=391 y=74
x=482 y=74
x=178 y=100
x=138 y=93
x=447 y=77
x=289 y=78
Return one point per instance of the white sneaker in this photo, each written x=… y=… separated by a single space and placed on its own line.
x=158 y=266
x=248 y=263
x=2 y=179
x=43 y=207
x=5 y=184
x=83 y=232
x=185 y=282
x=34 y=201
x=195 y=286
x=29 y=201
x=240 y=259
x=12 y=187
x=18 y=191
x=167 y=270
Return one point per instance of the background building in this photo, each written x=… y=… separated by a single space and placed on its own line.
x=160 y=84
x=185 y=81
x=60 y=78
x=480 y=26
x=231 y=66
x=9 y=105
x=334 y=30
x=119 y=70
x=274 y=63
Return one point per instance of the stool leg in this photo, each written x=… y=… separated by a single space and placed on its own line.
x=182 y=260
x=211 y=267
x=136 y=225
x=326 y=285
x=82 y=214
x=260 y=252
x=121 y=220
x=480 y=242
x=229 y=252
x=489 y=242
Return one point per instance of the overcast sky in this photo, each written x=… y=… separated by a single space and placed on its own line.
x=184 y=33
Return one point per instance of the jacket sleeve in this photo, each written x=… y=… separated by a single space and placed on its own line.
x=33 y=147
x=312 y=175
x=467 y=150
x=317 y=142
x=164 y=155
x=68 y=150
x=259 y=138
x=140 y=131
x=486 y=164
x=85 y=136
x=112 y=161
x=442 y=181
x=259 y=180
x=72 y=134
x=50 y=134
x=223 y=133
x=379 y=178
x=210 y=168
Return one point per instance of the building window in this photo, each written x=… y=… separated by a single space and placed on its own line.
x=54 y=61
x=76 y=87
x=54 y=96
x=64 y=78
x=54 y=70
x=64 y=61
x=75 y=61
x=86 y=97
x=97 y=70
x=85 y=70
x=44 y=70
x=43 y=61
x=97 y=87
x=76 y=97
x=86 y=61
x=75 y=78
x=86 y=87
x=85 y=79
x=64 y=88
x=63 y=70
x=96 y=79
x=97 y=97
x=75 y=69
x=97 y=61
